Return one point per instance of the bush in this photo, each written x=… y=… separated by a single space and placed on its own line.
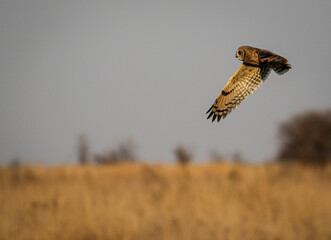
x=110 y=158
x=82 y=149
x=306 y=138
x=183 y=155
x=215 y=156
x=125 y=152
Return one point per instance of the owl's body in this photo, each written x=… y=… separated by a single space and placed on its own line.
x=256 y=67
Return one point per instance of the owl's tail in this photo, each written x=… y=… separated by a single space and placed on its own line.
x=281 y=68
x=277 y=63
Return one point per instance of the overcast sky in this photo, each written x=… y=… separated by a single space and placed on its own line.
x=149 y=71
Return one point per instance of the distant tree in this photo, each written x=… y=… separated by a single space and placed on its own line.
x=237 y=157
x=183 y=155
x=83 y=149
x=125 y=152
x=306 y=138
x=215 y=156
x=110 y=158
x=15 y=162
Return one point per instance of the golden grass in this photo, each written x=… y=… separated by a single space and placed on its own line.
x=215 y=201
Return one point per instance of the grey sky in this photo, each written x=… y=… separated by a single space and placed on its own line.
x=149 y=70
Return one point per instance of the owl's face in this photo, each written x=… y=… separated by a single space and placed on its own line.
x=248 y=55
x=240 y=54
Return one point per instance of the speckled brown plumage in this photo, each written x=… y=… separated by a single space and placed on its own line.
x=256 y=67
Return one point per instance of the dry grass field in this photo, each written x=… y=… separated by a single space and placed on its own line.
x=141 y=202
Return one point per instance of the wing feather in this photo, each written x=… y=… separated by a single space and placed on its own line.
x=243 y=83
x=278 y=63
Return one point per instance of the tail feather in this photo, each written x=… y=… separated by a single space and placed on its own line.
x=280 y=68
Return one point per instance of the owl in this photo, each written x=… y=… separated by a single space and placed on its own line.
x=257 y=64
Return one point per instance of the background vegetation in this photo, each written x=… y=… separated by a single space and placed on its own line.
x=119 y=197
x=306 y=138
x=135 y=201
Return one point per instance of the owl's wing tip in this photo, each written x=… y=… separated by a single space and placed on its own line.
x=210 y=114
x=209 y=109
x=215 y=117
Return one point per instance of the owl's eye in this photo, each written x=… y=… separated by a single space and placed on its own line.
x=240 y=54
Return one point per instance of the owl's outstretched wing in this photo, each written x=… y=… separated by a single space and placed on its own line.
x=243 y=83
x=277 y=63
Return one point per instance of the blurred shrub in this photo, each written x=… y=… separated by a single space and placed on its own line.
x=125 y=152
x=215 y=156
x=306 y=138
x=82 y=149
x=237 y=157
x=183 y=155
x=109 y=158
x=15 y=163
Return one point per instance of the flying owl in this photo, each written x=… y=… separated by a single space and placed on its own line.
x=257 y=64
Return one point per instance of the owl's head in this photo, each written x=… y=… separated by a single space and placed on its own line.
x=248 y=55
